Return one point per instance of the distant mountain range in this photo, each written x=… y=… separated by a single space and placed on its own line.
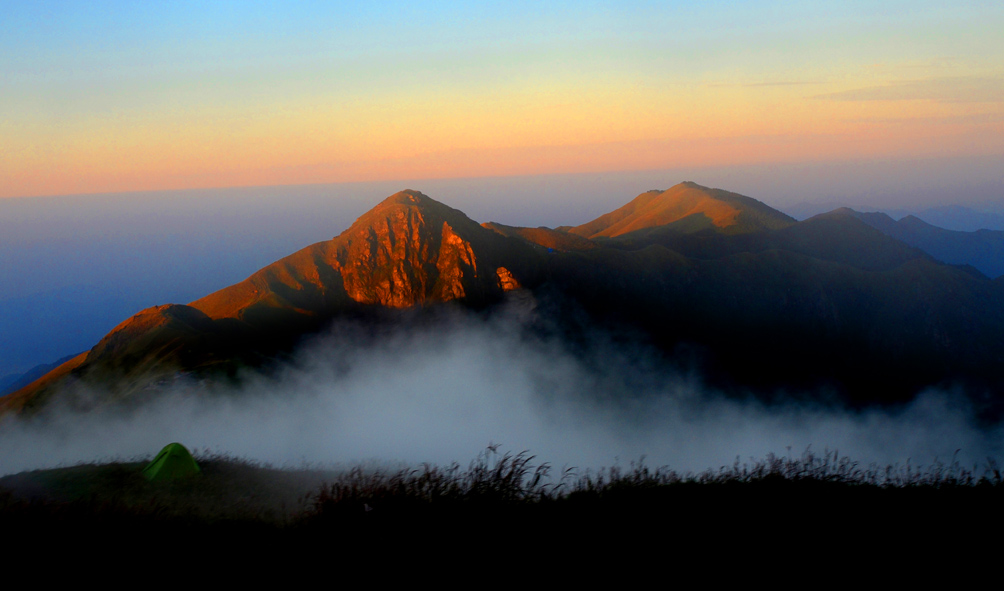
x=948 y=217
x=14 y=382
x=976 y=240
x=982 y=249
x=761 y=303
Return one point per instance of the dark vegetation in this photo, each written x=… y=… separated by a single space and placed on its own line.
x=509 y=502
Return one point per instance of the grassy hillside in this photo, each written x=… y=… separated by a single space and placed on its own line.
x=511 y=503
x=689 y=207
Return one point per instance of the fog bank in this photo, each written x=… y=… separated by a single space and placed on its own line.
x=442 y=392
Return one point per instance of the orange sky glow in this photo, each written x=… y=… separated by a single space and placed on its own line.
x=809 y=87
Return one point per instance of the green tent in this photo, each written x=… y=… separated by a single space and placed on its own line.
x=172 y=462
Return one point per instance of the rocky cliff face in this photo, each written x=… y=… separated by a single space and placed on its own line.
x=406 y=252
x=409 y=250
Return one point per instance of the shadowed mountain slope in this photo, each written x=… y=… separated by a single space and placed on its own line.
x=983 y=249
x=154 y=344
x=691 y=206
x=546 y=237
x=830 y=237
x=780 y=319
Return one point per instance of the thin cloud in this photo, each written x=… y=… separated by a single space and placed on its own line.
x=942 y=90
x=762 y=84
x=970 y=119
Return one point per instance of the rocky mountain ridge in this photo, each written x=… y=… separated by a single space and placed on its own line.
x=769 y=303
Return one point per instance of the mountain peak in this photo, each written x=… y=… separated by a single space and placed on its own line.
x=695 y=206
x=417 y=204
x=408 y=250
x=408 y=197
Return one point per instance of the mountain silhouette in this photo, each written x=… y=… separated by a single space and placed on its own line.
x=760 y=303
x=982 y=249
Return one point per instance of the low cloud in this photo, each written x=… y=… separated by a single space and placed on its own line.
x=942 y=90
x=763 y=84
x=442 y=391
x=973 y=119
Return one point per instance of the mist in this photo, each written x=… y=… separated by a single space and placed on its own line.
x=442 y=391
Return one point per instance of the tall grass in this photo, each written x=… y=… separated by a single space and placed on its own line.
x=509 y=492
x=493 y=479
x=512 y=477
x=497 y=479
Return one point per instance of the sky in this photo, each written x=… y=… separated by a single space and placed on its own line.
x=104 y=97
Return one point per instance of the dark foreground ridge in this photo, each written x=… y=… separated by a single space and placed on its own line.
x=504 y=500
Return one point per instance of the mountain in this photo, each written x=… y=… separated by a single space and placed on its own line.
x=949 y=217
x=15 y=382
x=964 y=219
x=829 y=237
x=828 y=304
x=551 y=239
x=407 y=251
x=983 y=249
x=687 y=206
x=710 y=280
